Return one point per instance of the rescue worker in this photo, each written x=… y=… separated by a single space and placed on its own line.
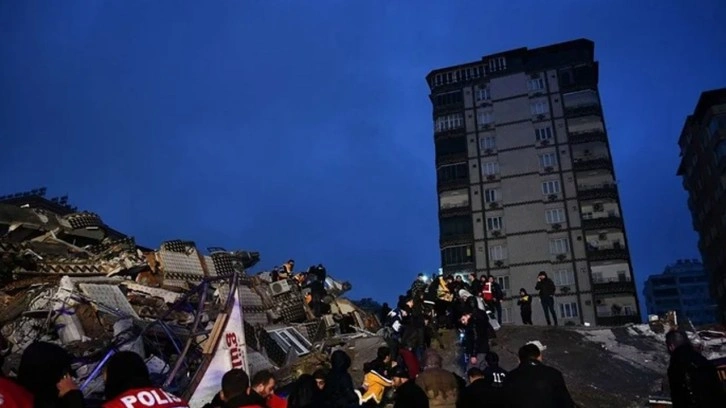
x=128 y=385
x=45 y=372
x=525 y=306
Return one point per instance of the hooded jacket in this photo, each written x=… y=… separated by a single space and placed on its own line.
x=42 y=366
x=375 y=386
x=339 y=389
x=693 y=380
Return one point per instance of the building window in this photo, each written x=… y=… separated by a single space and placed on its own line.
x=547 y=160
x=506 y=318
x=497 y=64
x=503 y=282
x=555 y=216
x=455 y=226
x=497 y=252
x=491 y=195
x=564 y=277
x=483 y=94
x=494 y=223
x=544 y=133
x=454 y=199
x=568 y=310
x=486 y=118
x=551 y=187
x=490 y=168
x=538 y=107
x=488 y=142
x=535 y=84
x=456 y=255
x=559 y=246
x=449 y=122
x=453 y=172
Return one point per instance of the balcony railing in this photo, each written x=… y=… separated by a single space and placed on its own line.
x=443 y=134
x=456 y=184
x=587 y=136
x=613 y=285
x=448 y=108
x=592 y=163
x=606 y=253
x=602 y=222
x=583 y=110
x=616 y=320
x=453 y=211
x=452 y=158
x=597 y=191
x=453 y=239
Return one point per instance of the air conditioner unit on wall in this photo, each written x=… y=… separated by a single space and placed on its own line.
x=280 y=287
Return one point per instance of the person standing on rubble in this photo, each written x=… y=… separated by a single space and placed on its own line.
x=497 y=297
x=692 y=378
x=128 y=385
x=284 y=272
x=546 y=289
x=525 y=306
x=45 y=372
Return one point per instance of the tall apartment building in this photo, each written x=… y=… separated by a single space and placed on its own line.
x=526 y=181
x=703 y=169
x=682 y=287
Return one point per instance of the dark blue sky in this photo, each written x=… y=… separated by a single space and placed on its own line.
x=304 y=129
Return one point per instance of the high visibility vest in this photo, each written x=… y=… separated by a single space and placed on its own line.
x=146 y=397
x=487 y=292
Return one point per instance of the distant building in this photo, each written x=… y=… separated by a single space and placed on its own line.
x=682 y=287
x=703 y=168
x=526 y=181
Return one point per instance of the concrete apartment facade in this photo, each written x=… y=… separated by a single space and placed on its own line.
x=526 y=181
x=703 y=169
x=682 y=287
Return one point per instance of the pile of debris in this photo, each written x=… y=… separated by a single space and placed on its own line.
x=67 y=278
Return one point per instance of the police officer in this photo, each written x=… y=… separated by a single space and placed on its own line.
x=128 y=385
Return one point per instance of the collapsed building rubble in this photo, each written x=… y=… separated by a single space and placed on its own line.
x=68 y=278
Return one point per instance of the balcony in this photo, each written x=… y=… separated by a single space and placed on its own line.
x=607 y=253
x=590 y=163
x=456 y=239
x=585 y=110
x=613 y=285
x=443 y=109
x=602 y=223
x=449 y=133
x=588 y=136
x=617 y=320
x=452 y=158
x=454 y=211
x=454 y=184
x=598 y=191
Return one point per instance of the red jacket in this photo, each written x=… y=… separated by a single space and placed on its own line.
x=146 y=397
x=14 y=396
x=276 y=401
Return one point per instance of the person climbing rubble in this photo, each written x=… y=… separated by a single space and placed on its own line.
x=546 y=289
x=418 y=286
x=373 y=388
x=285 y=271
x=535 y=385
x=476 y=337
